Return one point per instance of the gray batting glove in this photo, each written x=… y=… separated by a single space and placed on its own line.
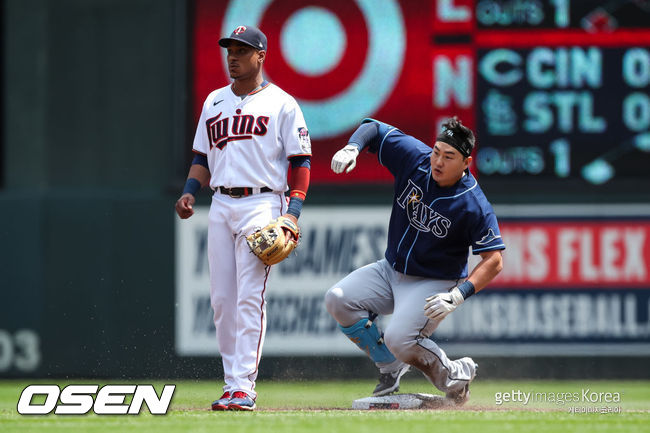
x=345 y=159
x=440 y=305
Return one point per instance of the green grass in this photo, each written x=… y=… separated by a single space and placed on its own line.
x=323 y=407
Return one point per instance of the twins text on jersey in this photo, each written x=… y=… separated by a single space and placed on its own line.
x=240 y=127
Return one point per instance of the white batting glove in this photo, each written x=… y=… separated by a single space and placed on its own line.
x=440 y=305
x=345 y=159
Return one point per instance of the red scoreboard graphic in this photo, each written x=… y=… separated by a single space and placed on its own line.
x=558 y=91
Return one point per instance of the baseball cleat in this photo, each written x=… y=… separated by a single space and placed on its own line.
x=389 y=382
x=461 y=397
x=222 y=403
x=241 y=401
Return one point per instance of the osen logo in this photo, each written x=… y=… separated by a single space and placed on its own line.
x=109 y=400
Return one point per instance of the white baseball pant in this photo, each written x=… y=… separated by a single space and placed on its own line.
x=238 y=283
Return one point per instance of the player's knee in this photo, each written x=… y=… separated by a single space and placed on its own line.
x=218 y=304
x=342 y=308
x=334 y=301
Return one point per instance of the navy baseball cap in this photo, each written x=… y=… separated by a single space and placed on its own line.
x=248 y=35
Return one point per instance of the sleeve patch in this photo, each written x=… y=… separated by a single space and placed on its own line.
x=304 y=140
x=488 y=238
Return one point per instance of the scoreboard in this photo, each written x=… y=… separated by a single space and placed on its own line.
x=557 y=91
x=589 y=15
x=561 y=101
x=563 y=112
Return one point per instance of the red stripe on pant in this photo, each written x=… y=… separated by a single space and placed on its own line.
x=283 y=203
x=259 y=342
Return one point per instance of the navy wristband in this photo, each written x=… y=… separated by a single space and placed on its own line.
x=466 y=288
x=201 y=160
x=191 y=186
x=295 y=206
x=300 y=161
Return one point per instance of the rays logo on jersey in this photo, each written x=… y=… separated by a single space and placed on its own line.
x=420 y=216
x=243 y=127
x=489 y=237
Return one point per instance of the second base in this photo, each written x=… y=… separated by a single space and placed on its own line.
x=402 y=401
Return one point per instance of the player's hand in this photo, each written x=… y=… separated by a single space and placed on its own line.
x=184 y=206
x=440 y=305
x=289 y=235
x=345 y=159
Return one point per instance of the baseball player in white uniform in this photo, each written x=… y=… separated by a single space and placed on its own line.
x=249 y=134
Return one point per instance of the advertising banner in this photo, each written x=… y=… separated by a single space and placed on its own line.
x=335 y=241
x=571 y=285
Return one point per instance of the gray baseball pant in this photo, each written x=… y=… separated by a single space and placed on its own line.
x=377 y=287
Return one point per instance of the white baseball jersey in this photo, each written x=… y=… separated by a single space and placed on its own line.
x=248 y=141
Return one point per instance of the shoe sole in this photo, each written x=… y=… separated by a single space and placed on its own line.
x=219 y=407
x=238 y=407
x=386 y=392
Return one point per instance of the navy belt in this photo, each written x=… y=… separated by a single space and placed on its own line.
x=242 y=191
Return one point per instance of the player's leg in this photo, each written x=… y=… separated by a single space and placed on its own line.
x=407 y=336
x=354 y=302
x=223 y=289
x=255 y=212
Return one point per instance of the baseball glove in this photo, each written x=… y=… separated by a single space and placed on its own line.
x=270 y=243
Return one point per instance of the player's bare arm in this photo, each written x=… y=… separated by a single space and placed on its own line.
x=185 y=204
x=486 y=270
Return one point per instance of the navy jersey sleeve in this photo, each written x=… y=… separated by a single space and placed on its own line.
x=485 y=234
x=396 y=150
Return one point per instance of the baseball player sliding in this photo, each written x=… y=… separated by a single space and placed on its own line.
x=439 y=211
x=248 y=135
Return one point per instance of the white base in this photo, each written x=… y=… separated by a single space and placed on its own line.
x=402 y=401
